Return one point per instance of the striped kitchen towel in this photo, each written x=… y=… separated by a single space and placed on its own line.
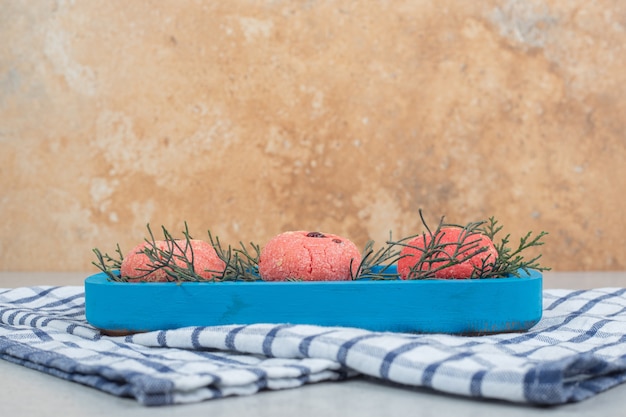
x=577 y=350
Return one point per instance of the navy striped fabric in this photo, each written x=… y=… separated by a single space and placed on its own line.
x=577 y=350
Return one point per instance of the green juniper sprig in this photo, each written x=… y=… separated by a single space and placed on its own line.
x=376 y=265
x=241 y=265
x=510 y=260
x=177 y=260
x=435 y=256
x=165 y=259
x=109 y=264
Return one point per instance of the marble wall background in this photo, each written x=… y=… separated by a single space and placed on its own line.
x=250 y=118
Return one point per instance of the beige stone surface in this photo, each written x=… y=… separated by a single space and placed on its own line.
x=250 y=118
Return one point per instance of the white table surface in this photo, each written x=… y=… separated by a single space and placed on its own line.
x=25 y=392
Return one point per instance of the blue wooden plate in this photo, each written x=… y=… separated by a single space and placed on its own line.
x=476 y=306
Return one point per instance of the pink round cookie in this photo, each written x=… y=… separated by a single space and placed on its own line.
x=449 y=238
x=136 y=264
x=308 y=256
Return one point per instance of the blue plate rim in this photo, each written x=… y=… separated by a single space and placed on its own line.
x=532 y=274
